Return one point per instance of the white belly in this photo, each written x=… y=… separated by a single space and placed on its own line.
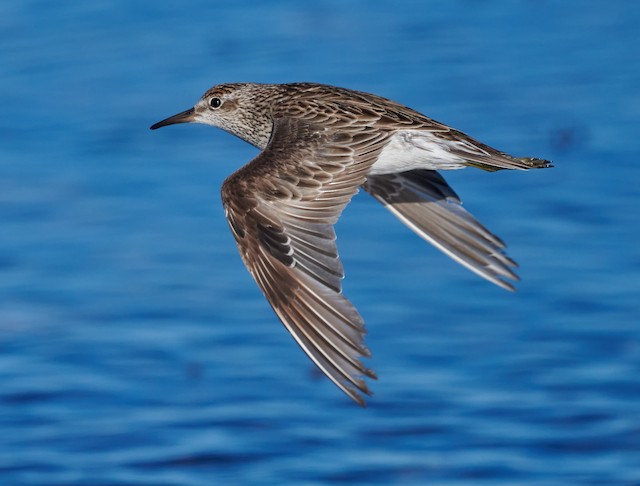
x=416 y=149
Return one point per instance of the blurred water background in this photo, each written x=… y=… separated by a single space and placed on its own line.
x=136 y=350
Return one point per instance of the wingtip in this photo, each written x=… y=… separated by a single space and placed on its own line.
x=356 y=396
x=502 y=282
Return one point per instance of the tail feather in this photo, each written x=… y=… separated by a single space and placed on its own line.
x=534 y=163
x=504 y=161
x=482 y=156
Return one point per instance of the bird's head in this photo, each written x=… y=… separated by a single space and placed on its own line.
x=242 y=109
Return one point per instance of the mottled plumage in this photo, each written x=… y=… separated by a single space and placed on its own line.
x=319 y=145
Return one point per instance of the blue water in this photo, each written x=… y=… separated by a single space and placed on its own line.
x=136 y=350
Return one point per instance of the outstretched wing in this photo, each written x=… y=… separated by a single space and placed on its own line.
x=281 y=208
x=423 y=201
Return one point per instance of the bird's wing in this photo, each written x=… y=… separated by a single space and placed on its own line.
x=423 y=201
x=281 y=208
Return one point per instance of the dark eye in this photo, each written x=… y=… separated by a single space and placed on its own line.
x=215 y=102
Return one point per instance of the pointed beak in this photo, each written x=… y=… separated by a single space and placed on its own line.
x=184 y=117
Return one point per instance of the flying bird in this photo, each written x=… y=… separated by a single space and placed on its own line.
x=319 y=144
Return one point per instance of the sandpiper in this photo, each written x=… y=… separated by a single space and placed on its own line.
x=319 y=144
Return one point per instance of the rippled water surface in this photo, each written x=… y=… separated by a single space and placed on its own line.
x=136 y=350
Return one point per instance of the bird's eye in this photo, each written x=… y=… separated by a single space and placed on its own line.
x=215 y=102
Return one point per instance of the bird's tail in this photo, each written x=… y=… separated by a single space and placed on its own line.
x=504 y=161
x=533 y=163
